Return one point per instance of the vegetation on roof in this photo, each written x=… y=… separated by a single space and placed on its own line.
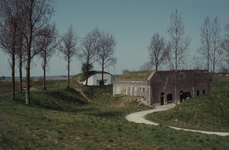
x=82 y=77
x=136 y=75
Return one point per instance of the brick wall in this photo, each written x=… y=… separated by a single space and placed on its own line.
x=161 y=86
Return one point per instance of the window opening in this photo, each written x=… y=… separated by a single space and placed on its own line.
x=203 y=91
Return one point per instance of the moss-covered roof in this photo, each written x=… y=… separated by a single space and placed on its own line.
x=135 y=75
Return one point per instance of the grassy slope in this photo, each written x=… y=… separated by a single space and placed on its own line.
x=60 y=118
x=209 y=112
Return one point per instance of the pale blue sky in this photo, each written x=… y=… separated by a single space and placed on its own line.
x=133 y=23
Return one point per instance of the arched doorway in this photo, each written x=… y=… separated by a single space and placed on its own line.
x=162 y=98
x=203 y=91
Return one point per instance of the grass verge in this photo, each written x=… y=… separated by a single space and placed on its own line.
x=61 y=118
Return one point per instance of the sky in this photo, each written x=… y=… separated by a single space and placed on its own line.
x=132 y=22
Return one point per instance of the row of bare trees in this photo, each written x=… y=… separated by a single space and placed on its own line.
x=23 y=23
x=174 y=53
x=96 y=46
x=26 y=32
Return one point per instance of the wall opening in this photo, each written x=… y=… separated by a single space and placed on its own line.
x=186 y=95
x=162 y=98
x=169 y=98
x=197 y=93
x=181 y=96
x=203 y=91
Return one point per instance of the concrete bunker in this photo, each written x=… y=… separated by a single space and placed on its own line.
x=158 y=86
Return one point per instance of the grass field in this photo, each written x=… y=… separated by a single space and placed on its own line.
x=60 y=118
x=209 y=112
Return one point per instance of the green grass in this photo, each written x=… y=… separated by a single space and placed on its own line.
x=136 y=75
x=60 y=118
x=208 y=112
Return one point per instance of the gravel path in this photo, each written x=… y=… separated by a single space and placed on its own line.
x=138 y=117
x=82 y=93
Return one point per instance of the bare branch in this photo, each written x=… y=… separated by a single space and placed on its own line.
x=157 y=50
x=147 y=66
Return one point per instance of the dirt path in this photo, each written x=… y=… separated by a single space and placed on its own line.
x=82 y=93
x=138 y=117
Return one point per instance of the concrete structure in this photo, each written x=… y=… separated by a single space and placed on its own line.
x=158 y=87
x=96 y=77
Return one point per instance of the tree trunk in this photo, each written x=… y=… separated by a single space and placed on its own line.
x=87 y=75
x=68 y=72
x=102 y=82
x=20 y=74
x=27 y=102
x=208 y=57
x=44 y=79
x=175 y=87
x=13 y=76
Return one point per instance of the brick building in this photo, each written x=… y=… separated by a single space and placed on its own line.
x=158 y=87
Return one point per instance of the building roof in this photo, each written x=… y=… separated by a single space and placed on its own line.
x=135 y=75
x=91 y=73
x=147 y=75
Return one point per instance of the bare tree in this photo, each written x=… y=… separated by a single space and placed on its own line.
x=7 y=43
x=89 y=49
x=106 y=47
x=8 y=33
x=47 y=45
x=216 y=41
x=36 y=14
x=225 y=45
x=147 y=66
x=157 y=49
x=206 y=39
x=210 y=48
x=68 y=47
x=20 y=52
x=177 y=47
x=21 y=60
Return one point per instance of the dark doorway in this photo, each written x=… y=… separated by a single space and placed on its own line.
x=181 y=96
x=162 y=98
x=186 y=95
x=203 y=91
x=197 y=93
x=169 y=98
